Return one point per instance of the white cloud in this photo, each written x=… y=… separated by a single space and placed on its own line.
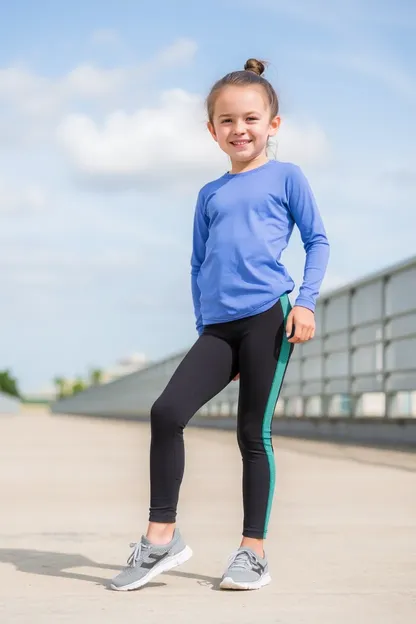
x=105 y=36
x=30 y=200
x=166 y=143
x=180 y=52
x=18 y=83
x=34 y=94
x=30 y=92
x=87 y=81
x=150 y=144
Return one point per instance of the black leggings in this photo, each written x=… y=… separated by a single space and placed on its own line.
x=257 y=348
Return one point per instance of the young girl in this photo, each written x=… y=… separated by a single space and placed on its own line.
x=247 y=329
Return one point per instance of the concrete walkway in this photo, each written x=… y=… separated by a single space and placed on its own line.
x=74 y=493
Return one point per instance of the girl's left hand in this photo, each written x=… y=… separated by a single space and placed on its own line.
x=304 y=321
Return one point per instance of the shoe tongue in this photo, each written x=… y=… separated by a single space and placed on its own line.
x=250 y=552
x=245 y=549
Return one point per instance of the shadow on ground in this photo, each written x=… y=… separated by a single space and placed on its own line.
x=47 y=563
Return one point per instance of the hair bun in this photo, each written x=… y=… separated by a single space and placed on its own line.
x=255 y=66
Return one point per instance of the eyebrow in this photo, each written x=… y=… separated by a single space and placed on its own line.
x=230 y=114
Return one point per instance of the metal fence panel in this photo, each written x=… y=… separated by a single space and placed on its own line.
x=361 y=362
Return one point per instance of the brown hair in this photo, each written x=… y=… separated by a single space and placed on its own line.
x=251 y=75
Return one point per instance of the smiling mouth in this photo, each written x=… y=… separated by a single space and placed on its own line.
x=239 y=143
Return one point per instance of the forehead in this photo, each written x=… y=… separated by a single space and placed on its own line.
x=236 y=100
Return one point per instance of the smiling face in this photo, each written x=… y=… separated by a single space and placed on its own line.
x=242 y=124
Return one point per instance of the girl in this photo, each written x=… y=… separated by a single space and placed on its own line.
x=247 y=329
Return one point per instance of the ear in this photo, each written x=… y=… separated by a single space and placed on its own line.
x=212 y=131
x=274 y=126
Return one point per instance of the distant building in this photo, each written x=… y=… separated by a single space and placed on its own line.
x=125 y=366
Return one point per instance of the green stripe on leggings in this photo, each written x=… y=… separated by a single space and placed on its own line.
x=281 y=366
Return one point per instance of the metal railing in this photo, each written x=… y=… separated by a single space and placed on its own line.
x=362 y=361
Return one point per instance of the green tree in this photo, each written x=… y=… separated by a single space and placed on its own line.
x=8 y=384
x=78 y=385
x=96 y=376
x=60 y=384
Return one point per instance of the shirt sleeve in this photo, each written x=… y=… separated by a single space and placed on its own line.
x=200 y=236
x=305 y=213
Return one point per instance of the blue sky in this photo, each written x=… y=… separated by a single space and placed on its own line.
x=103 y=150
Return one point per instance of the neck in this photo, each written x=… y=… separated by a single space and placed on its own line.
x=239 y=167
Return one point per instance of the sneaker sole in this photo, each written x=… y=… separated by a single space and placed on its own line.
x=228 y=583
x=167 y=564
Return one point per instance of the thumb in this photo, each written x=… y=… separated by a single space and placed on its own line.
x=289 y=324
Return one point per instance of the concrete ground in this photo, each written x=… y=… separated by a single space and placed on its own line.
x=74 y=493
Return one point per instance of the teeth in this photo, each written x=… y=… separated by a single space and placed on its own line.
x=240 y=142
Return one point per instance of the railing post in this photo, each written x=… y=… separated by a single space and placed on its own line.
x=384 y=344
x=350 y=347
x=323 y=396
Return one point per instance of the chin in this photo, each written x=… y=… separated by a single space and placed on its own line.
x=244 y=157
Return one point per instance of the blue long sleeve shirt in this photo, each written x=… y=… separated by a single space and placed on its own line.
x=242 y=224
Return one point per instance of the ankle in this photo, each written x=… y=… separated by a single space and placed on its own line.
x=257 y=545
x=160 y=533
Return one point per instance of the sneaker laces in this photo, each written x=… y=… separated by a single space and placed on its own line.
x=136 y=553
x=242 y=559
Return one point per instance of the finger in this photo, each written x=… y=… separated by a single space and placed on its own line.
x=299 y=333
x=311 y=333
x=295 y=338
x=292 y=334
x=289 y=326
x=306 y=333
x=302 y=333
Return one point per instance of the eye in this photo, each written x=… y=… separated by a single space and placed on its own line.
x=225 y=120
x=252 y=118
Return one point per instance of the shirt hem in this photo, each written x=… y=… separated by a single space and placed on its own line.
x=258 y=310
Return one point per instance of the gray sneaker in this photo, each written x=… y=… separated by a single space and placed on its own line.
x=147 y=560
x=246 y=570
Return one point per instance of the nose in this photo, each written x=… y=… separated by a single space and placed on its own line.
x=239 y=128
